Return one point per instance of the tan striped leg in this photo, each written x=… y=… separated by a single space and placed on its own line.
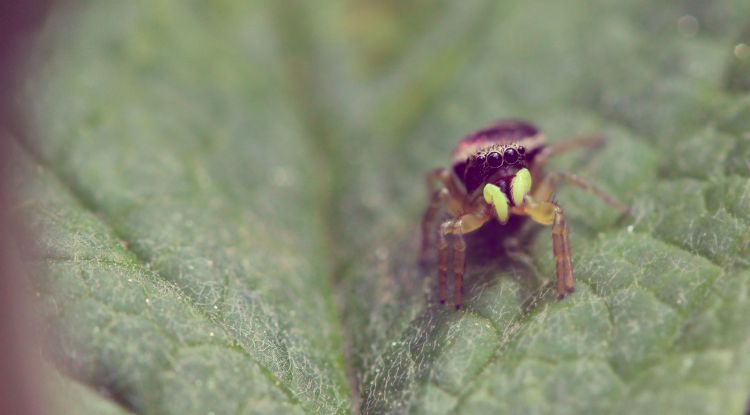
x=442 y=246
x=449 y=196
x=550 y=213
x=459 y=267
x=548 y=186
x=567 y=145
x=442 y=176
x=561 y=251
x=428 y=222
x=455 y=228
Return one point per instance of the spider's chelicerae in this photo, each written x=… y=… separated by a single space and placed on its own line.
x=496 y=172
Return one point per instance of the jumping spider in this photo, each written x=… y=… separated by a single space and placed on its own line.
x=496 y=172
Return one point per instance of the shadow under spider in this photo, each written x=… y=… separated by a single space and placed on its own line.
x=494 y=252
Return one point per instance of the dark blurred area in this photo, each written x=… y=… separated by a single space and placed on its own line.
x=20 y=389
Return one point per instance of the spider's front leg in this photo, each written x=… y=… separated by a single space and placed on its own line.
x=561 y=250
x=455 y=229
x=550 y=213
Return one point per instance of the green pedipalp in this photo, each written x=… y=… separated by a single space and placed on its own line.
x=520 y=186
x=494 y=196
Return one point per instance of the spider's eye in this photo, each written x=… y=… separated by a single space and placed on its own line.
x=480 y=159
x=521 y=149
x=494 y=159
x=510 y=155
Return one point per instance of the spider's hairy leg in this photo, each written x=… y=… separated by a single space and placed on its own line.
x=550 y=213
x=442 y=247
x=443 y=177
x=561 y=250
x=428 y=220
x=448 y=195
x=459 y=266
x=547 y=188
x=593 y=142
x=456 y=228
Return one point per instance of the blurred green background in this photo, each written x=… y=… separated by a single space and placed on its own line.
x=225 y=198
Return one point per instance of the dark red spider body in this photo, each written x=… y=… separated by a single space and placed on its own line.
x=498 y=172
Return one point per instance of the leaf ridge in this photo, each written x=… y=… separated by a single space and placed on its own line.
x=143 y=263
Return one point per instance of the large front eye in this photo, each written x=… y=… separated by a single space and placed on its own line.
x=510 y=155
x=494 y=159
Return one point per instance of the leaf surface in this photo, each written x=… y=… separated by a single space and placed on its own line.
x=226 y=200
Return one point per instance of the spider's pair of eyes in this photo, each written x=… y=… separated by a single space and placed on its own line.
x=495 y=159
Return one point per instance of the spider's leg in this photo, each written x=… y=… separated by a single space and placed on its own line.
x=448 y=195
x=563 y=146
x=459 y=266
x=547 y=187
x=561 y=250
x=550 y=213
x=442 y=176
x=456 y=228
x=442 y=246
x=428 y=221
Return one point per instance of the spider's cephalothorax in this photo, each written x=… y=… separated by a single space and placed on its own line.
x=497 y=172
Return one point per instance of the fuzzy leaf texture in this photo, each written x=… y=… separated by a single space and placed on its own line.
x=225 y=196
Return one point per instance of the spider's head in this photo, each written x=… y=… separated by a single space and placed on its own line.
x=495 y=161
x=502 y=174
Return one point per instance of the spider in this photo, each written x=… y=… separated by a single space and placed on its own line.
x=496 y=172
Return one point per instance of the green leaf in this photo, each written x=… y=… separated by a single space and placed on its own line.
x=225 y=199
